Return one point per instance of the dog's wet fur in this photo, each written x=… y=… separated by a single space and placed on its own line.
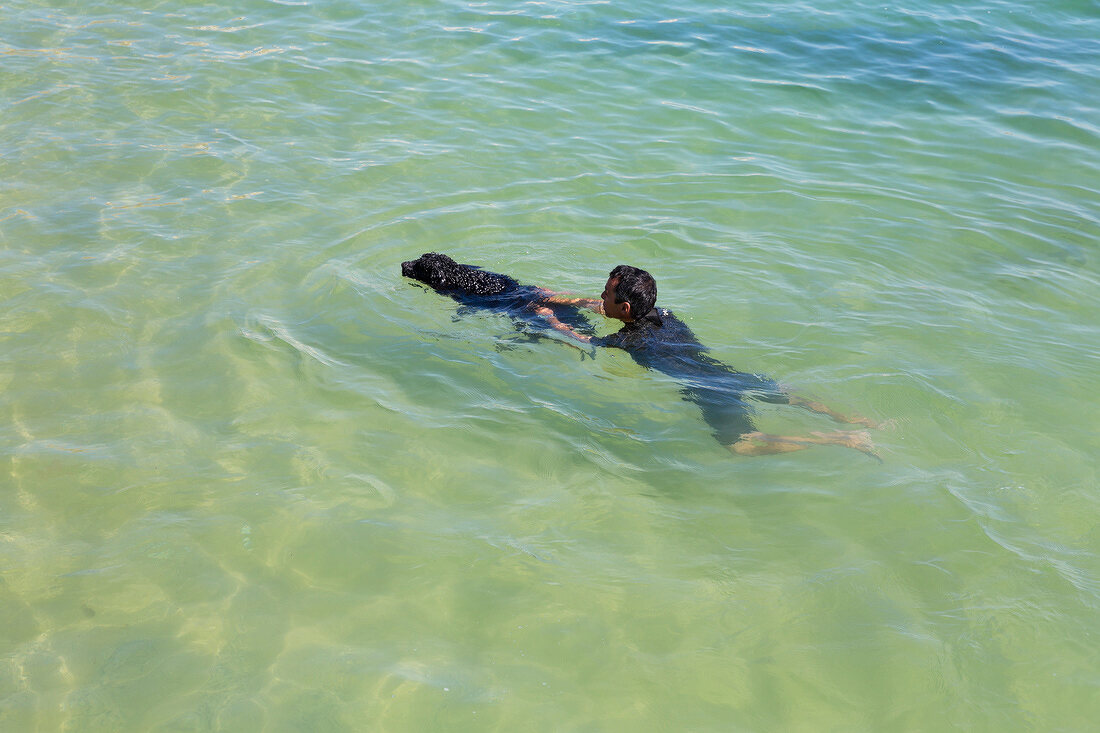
x=445 y=275
x=476 y=288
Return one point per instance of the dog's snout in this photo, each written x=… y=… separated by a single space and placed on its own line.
x=407 y=268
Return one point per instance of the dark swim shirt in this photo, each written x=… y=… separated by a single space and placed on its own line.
x=661 y=341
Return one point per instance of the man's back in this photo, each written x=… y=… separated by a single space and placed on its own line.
x=663 y=342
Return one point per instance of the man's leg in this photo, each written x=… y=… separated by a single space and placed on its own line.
x=823 y=409
x=764 y=444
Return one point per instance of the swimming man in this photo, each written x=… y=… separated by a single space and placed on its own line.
x=657 y=339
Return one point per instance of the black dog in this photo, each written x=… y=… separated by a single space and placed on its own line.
x=476 y=288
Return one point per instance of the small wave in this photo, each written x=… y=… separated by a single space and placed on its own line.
x=265 y=329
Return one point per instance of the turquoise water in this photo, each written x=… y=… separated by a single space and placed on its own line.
x=252 y=479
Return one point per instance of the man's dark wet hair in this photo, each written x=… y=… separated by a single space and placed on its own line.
x=635 y=286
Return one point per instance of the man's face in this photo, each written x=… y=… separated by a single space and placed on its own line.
x=611 y=309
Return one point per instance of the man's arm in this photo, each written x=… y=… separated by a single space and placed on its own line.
x=548 y=314
x=549 y=296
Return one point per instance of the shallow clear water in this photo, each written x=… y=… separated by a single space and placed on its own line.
x=252 y=479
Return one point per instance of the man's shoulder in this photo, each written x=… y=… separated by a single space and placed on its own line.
x=668 y=321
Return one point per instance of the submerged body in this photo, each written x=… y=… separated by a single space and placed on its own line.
x=662 y=342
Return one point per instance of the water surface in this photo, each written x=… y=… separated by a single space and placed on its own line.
x=252 y=479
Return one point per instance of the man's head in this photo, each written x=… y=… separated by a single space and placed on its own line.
x=630 y=293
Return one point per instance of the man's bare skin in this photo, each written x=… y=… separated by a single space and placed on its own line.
x=763 y=444
x=564 y=299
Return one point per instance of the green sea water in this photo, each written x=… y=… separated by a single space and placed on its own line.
x=252 y=479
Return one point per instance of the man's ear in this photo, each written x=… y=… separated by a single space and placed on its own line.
x=626 y=309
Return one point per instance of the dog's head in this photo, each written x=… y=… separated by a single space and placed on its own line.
x=437 y=270
x=443 y=273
